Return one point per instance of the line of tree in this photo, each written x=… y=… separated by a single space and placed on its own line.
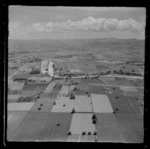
x=29 y=98
x=127 y=72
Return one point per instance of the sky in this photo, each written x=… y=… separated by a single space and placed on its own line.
x=34 y=22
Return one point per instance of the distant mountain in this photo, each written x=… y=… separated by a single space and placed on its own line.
x=75 y=44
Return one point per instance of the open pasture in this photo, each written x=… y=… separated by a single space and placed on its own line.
x=88 y=69
x=96 y=89
x=49 y=88
x=116 y=82
x=107 y=128
x=141 y=90
x=83 y=87
x=28 y=93
x=92 y=81
x=128 y=89
x=31 y=127
x=64 y=90
x=43 y=95
x=54 y=94
x=13 y=98
x=14 y=85
x=73 y=138
x=35 y=86
x=11 y=71
x=132 y=93
x=131 y=127
x=82 y=122
x=46 y=99
x=82 y=104
x=80 y=92
x=56 y=127
x=20 y=106
x=120 y=104
x=13 y=121
x=137 y=83
x=63 y=105
x=101 y=104
x=42 y=107
x=136 y=104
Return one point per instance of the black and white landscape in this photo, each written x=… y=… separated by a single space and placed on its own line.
x=76 y=74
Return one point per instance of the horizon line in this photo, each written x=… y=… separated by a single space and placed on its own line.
x=77 y=39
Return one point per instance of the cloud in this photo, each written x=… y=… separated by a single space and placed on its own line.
x=89 y=24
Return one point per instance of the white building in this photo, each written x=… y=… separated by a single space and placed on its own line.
x=47 y=67
x=44 y=66
x=51 y=68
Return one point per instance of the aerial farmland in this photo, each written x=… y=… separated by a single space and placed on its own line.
x=61 y=107
x=75 y=90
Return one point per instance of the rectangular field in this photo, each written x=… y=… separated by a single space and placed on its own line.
x=13 y=121
x=76 y=80
x=13 y=98
x=82 y=104
x=131 y=127
x=73 y=138
x=116 y=82
x=49 y=88
x=92 y=81
x=120 y=104
x=31 y=127
x=64 y=90
x=20 y=106
x=137 y=83
x=82 y=122
x=63 y=105
x=54 y=94
x=108 y=78
x=96 y=89
x=15 y=85
x=83 y=87
x=42 y=107
x=141 y=90
x=28 y=93
x=44 y=95
x=46 y=99
x=35 y=86
x=136 y=104
x=132 y=93
x=80 y=92
x=107 y=128
x=128 y=89
x=101 y=104
x=56 y=127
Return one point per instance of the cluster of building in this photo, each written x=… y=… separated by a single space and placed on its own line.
x=47 y=67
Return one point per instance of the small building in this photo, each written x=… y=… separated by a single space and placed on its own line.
x=51 y=68
x=44 y=66
x=47 y=67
